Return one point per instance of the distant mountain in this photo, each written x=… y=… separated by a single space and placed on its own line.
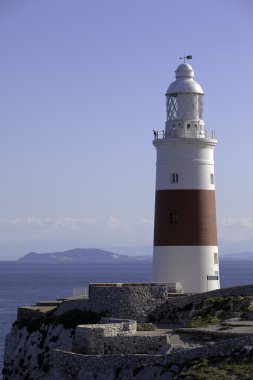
x=243 y=256
x=81 y=255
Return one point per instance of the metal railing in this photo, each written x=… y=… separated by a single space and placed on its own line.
x=158 y=135
x=84 y=291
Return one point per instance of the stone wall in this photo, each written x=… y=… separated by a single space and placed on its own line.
x=145 y=326
x=135 y=344
x=90 y=339
x=119 y=327
x=133 y=301
x=120 y=363
x=115 y=336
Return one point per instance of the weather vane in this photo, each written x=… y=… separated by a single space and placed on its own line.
x=186 y=57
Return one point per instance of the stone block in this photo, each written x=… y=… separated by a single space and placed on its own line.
x=145 y=326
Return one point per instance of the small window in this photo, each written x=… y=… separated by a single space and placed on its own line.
x=215 y=256
x=174 y=218
x=216 y=273
x=174 y=178
x=215 y=278
x=188 y=126
x=212 y=178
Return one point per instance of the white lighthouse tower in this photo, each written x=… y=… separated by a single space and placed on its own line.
x=185 y=234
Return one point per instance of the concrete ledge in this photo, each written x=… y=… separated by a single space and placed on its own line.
x=48 y=303
x=29 y=312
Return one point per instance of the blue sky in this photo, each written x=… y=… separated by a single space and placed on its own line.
x=82 y=85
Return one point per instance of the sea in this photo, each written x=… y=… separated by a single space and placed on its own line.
x=25 y=284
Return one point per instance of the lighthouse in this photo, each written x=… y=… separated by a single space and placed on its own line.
x=185 y=233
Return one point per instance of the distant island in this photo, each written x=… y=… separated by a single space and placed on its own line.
x=82 y=256
x=95 y=255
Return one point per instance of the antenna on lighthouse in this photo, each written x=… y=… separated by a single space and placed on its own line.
x=186 y=57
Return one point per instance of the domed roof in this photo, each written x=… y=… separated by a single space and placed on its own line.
x=184 y=82
x=184 y=71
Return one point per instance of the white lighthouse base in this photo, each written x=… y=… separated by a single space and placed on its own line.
x=196 y=267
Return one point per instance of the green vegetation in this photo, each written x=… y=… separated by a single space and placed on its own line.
x=212 y=310
x=202 y=321
x=214 y=304
x=204 y=370
x=224 y=304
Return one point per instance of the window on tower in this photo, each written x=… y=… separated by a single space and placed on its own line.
x=212 y=178
x=215 y=257
x=174 y=218
x=172 y=107
x=174 y=178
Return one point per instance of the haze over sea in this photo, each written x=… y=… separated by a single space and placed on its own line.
x=25 y=284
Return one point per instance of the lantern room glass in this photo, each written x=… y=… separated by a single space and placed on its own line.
x=184 y=106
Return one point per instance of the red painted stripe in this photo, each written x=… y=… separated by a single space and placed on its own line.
x=196 y=215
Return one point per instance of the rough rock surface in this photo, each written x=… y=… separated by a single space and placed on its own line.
x=42 y=350
x=27 y=354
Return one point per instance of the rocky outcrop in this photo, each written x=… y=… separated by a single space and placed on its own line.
x=27 y=353
x=219 y=304
x=50 y=346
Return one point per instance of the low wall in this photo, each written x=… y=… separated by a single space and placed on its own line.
x=90 y=339
x=119 y=327
x=69 y=360
x=115 y=336
x=66 y=360
x=145 y=326
x=134 y=344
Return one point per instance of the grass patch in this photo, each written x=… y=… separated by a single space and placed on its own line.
x=212 y=310
x=212 y=304
x=202 y=321
x=203 y=370
x=224 y=304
